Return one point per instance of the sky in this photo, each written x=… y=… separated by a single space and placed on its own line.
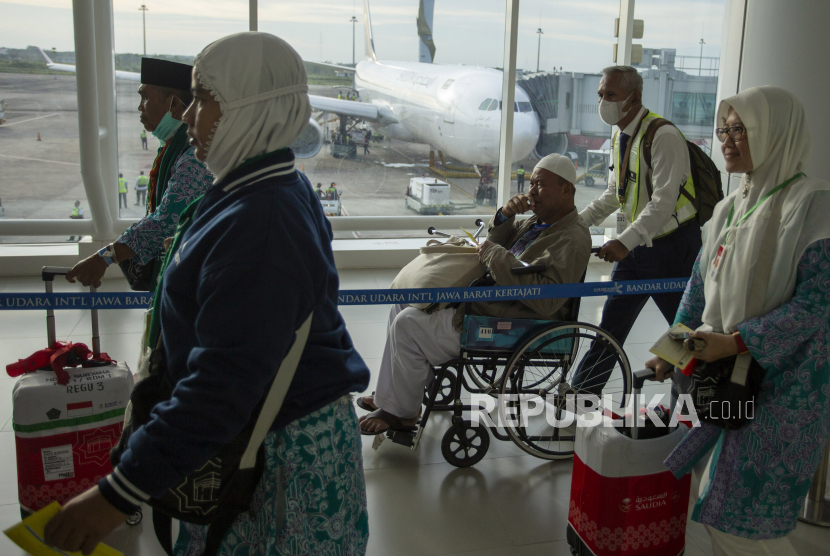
x=577 y=34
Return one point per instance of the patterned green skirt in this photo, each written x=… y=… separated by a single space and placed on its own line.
x=318 y=460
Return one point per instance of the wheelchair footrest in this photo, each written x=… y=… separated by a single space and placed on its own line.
x=405 y=438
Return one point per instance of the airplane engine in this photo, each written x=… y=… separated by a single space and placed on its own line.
x=309 y=142
x=551 y=143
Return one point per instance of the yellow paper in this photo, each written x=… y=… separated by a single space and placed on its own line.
x=672 y=350
x=469 y=235
x=29 y=534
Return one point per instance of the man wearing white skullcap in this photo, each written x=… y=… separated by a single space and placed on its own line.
x=553 y=238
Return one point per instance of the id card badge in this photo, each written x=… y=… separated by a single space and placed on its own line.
x=717 y=262
x=622 y=222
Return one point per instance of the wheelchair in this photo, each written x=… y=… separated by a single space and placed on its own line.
x=528 y=368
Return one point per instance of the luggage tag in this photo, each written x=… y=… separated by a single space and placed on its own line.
x=622 y=222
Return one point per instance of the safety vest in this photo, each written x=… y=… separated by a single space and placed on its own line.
x=520 y=172
x=76 y=211
x=636 y=193
x=122 y=185
x=144 y=135
x=143 y=181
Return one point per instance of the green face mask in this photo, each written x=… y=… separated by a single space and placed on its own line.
x=167 y=126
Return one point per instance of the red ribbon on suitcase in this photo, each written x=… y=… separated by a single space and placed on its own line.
x=60 y=355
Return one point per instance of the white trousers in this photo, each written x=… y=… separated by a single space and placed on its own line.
x=415 y=341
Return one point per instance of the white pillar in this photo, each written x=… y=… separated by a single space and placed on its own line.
x=626 y=33
x=508 y=95
x=785 y=44
x=88 y=123
x=252 y=15
x=108 y=126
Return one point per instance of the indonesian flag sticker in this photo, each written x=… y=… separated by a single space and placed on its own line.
x=78 y=409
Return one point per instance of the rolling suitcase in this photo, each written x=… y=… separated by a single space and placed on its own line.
x=624 y=501
x=64 y=433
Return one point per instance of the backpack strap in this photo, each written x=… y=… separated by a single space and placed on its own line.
x=648 y=139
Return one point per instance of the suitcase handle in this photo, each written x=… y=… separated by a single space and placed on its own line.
x=640 y=378
x=48 y=273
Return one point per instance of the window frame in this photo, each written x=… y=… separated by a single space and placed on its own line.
x=98 y=135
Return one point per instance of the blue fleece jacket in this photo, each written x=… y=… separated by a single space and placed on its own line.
x=254 y=264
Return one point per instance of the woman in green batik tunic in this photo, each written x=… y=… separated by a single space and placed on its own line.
x=758 y=476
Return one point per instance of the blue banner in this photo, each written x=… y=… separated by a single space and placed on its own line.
x=84 y=301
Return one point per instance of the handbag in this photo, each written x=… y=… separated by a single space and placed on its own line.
x=223 y=487
x=450 y=264
x=139 y=276
x=723 y=392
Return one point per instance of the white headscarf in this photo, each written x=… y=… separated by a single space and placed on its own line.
x=262 y=89
x=779 y=145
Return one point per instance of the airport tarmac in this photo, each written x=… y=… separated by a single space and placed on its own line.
x=41 y=179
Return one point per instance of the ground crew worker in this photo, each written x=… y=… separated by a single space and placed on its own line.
x=520 y=178
x=339 y=96
x=144 y=139
x=77 y=214
x=331 y=192
x=658 y=235
x=366 y=143
x=141 y=183
x=320 y=193
x=122 y=191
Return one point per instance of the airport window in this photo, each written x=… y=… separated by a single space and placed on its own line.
x=693 y=109
x=374 y=179
x=39 y=146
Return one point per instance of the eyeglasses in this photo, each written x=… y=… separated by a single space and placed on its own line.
x=735 y=133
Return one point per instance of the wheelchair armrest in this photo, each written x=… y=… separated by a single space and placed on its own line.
x=529 y=269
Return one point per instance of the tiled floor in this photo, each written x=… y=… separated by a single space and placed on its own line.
x=509 y=504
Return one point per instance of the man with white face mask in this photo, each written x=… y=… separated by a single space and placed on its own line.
x=175 y=180
x=658 y=234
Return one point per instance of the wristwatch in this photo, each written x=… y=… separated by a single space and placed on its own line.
x=108 y=254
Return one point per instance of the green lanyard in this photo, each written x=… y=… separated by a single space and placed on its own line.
x=185 y=221
x=758 y=204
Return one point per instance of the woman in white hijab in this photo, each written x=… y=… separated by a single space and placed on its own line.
x=251 y=261
x=762 y=285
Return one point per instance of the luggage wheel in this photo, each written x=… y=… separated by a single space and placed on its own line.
x=135 y=519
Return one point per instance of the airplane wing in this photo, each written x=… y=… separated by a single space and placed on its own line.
x=347 y=107
x=379 y=114
x=351 y=108
x=335 y=66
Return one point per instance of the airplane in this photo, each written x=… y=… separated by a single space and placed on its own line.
x=453 y=108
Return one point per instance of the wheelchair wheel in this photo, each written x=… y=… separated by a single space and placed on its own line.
x=560 y=360
x=446 y=392
x=486 y=374
x=464 y=445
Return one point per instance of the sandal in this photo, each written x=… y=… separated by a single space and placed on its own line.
x=363 y=405
x=394 y=422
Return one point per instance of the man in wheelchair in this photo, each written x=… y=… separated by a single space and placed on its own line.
x=554 y=237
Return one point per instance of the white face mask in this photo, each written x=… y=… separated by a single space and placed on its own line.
x=611 y=112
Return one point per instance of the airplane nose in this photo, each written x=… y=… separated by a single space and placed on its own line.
x=525 y=135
